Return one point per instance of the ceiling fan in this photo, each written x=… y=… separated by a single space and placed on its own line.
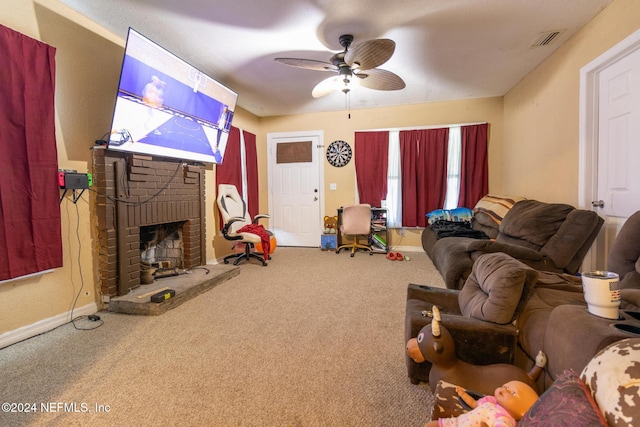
x=360 y=62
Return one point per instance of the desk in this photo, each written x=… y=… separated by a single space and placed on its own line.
x=378 y=237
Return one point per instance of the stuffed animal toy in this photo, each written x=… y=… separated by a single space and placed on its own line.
x=330 y=224
x=435 y=344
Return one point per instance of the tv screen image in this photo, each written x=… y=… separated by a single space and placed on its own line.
x=167 y=107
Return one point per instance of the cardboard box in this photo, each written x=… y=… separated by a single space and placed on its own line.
x=328 y=242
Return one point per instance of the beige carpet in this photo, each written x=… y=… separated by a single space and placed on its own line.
x=313 y=339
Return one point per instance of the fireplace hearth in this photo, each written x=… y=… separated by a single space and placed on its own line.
x=139 y=198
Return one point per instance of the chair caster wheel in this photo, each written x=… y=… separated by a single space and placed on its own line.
x=370 y=253
x=226 y=261
x=352 y=255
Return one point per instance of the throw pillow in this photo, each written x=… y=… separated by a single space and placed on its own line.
x=453 y=215
x=566 y=403
x=613 y=375
x=494 y=208
x=497 y=288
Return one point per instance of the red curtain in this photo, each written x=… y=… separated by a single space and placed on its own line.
x=423 y=159
x=474 y=174
x=230 y=171
x=30 y=230
x=251 y=159
x=371 y=153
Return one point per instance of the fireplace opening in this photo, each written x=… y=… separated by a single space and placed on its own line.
x=161 y=246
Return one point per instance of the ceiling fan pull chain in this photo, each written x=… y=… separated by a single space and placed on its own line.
x=347 y=101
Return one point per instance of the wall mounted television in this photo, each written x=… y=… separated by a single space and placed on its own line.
x=166 y=107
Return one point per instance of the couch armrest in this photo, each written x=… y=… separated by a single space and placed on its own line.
x=453 y=260
x=630 y=299
x=482 y=343
x=631 y=280
x=443 y=298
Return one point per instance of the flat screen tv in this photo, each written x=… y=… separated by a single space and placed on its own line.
x=167 y=107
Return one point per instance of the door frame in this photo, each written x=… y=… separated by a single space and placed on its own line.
x=319 y=151
x=588 y=140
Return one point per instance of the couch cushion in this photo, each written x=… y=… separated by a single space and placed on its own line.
x=532 y=223
x=566 y=403
x=497 y=288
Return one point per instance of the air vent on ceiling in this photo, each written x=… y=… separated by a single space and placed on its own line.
x=545 y=38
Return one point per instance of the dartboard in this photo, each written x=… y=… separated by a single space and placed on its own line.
x=338 y=153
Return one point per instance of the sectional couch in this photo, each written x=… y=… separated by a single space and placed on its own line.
x=545 y=236
x=507 y=311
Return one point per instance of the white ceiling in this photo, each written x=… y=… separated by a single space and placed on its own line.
x=445 y=49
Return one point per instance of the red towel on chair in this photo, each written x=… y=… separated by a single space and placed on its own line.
x=265 y=238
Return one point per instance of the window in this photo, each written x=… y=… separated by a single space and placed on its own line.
x=466 y=145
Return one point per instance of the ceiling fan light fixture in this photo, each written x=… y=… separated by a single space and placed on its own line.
x=360 y=61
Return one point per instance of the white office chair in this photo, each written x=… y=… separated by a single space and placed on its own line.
x=356 y=221
x=235 y=216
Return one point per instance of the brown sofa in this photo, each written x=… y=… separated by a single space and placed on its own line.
x=545 y=236
x=507 y=312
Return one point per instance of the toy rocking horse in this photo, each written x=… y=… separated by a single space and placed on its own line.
x=435 y=344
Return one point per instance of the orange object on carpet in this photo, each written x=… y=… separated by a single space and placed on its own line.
x=272 y=245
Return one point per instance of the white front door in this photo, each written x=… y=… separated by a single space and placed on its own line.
x=619 y=138
x=610 y=144
x=295 y=182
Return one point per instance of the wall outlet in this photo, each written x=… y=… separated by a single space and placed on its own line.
x=333 y=186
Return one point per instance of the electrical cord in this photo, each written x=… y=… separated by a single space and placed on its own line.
x=123 y=184
x=75 y=301
x=201 y=268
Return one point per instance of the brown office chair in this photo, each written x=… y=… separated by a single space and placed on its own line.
x=235 y=216
x=355 y=222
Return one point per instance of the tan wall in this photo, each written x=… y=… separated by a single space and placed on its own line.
x=541 y=113
x=540 y=123
x=82 y=104
x=338 y=125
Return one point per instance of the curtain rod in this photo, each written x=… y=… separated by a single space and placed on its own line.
x=421 y=127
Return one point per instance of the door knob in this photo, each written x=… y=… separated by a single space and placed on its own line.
x=598 y=204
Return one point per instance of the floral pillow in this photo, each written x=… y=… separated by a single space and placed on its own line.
x=567 y=402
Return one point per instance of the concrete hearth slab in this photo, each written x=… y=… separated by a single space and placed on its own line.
x=187 y=285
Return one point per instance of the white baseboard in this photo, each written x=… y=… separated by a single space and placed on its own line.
x=407 y=249
x=44 y=325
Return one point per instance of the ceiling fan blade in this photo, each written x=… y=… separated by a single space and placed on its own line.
x=308 y=64
x=327 y=86
x=380 y=79
x=370 y=54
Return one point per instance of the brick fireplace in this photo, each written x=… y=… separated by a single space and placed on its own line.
x=141 y=192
